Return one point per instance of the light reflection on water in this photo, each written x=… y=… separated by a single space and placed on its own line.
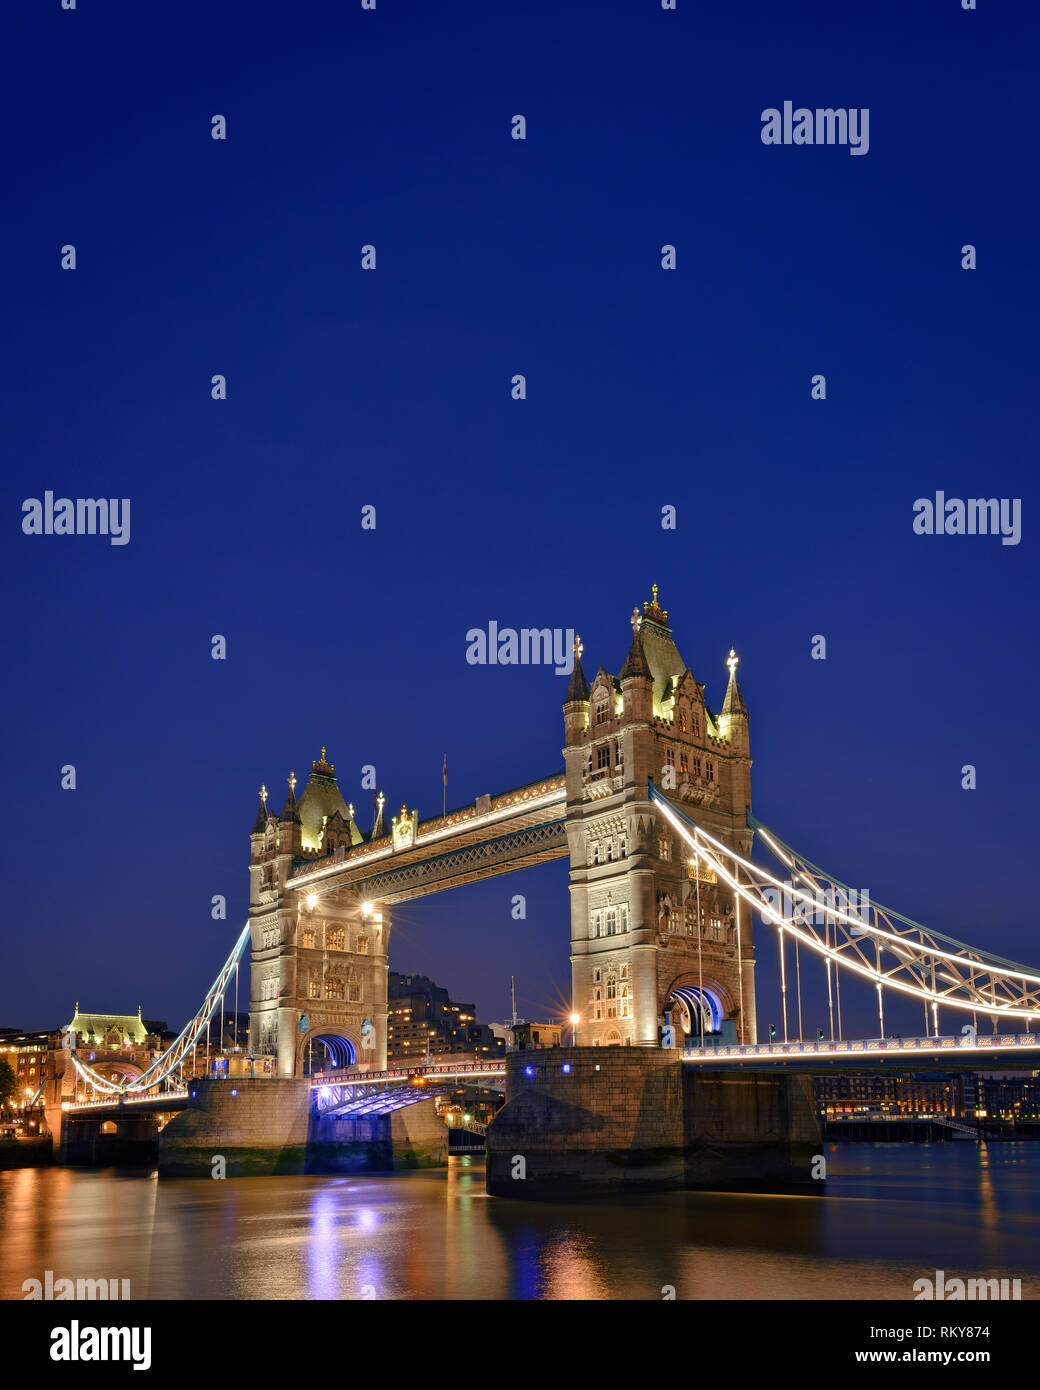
x=891 y=1213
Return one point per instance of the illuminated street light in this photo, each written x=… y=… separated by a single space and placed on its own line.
x=575 y=1020
x=312 y=900
x=366 y=909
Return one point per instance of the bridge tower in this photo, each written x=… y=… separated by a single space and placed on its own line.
x=319 y=960
x=654 y=940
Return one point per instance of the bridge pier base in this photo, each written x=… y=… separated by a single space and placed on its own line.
x=588 y=1122
x=266 y=1126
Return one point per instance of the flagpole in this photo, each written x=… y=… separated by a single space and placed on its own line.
x=444 y=793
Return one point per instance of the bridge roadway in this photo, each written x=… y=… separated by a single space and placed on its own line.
x=943 y=1053
x=111 y=1107
x=495 y=835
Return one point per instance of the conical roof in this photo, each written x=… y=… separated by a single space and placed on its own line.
x=261 y=819
x=635 y=662
x=734 y=701
x=578 y=688
x=321 y=796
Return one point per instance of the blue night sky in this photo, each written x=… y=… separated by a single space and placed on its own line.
x=391 y=388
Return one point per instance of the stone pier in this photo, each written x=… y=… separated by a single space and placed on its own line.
x=594 y=1121
x=263 y=1127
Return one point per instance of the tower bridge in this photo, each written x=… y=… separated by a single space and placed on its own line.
x=653 y=810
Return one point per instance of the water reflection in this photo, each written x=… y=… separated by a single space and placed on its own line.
x=887 y=1215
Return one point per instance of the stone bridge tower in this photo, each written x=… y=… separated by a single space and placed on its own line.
x=653 y=940
x=318 y=968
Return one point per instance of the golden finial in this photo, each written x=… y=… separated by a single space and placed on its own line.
x=291 y=779
x=263 y=795
x=653 y=610
x=323 y=752
x=731 y=662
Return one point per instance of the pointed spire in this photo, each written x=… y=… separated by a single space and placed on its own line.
x=635 y=662
x=290 y=812
x=261 y=815
x=578 y=689
x=734 y=701
x=380 y=828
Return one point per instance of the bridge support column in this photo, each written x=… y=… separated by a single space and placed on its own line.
x=629 y=1120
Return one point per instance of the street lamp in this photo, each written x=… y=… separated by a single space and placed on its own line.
x=575 y=1020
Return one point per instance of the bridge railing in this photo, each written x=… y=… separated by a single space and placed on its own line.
x=432 y=1068
x=123 y=1100
x=860 y=1046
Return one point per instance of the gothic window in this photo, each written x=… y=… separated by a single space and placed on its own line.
x=603 y=755
x=696 y=767
x=602 y=712
x=597 y=995
x=682 y=722
x=684 y=764
x=333 y=988
x=716 y=928
x=710 y=769
x=624 y=848
x=619 y=757
x=362 y=945
x=314 y=989
x=696 y=728
x=624 y=972
x=611 y=921
x=611 y=987
x=610 y=851
x=308 y=938
x=354 y=993
x=595 y=852
x=599 y=1011
x=336 y=939
x=664 y=847
x=597 y=975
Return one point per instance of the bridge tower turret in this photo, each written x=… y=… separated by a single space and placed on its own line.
x=653 y=939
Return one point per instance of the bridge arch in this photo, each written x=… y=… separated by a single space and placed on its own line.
x=694 y=999
x=326 y=1048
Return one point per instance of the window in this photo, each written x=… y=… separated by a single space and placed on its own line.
x=664 y=847
x=603 y=755
x=684 y=764
x=308 y=938
x=696 y=767
x=619 y=757
x=336 y=939
x=624 y=848
x=709 y=768
x=682 y=722
x=597 y=975
x=624 y=972
x=602 y=712
x=595 y=852
x=611 y=921
x=362 y=945
x=333 y=988
x=610 y=851
x=611 y=987
x=314 y=989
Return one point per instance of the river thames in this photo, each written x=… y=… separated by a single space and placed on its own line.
x=890 y=1214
